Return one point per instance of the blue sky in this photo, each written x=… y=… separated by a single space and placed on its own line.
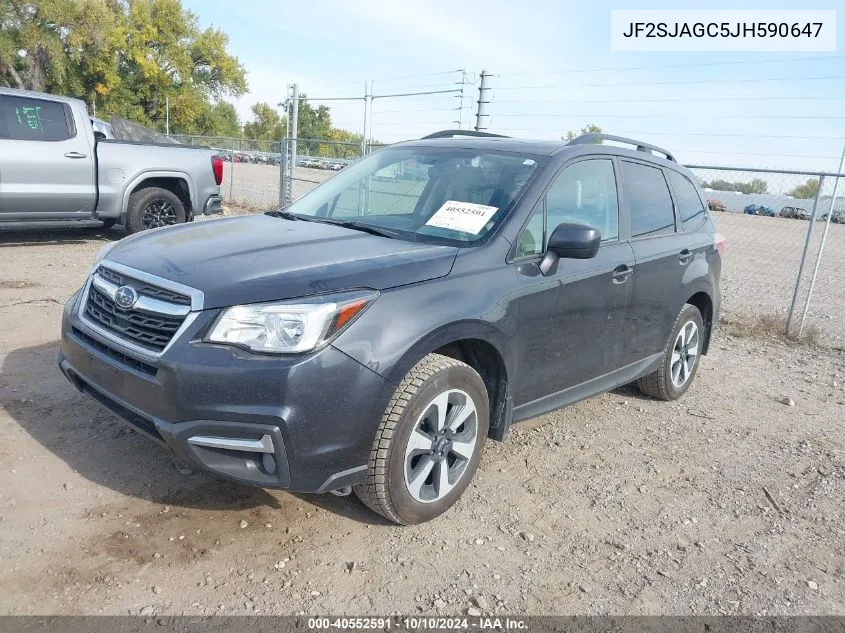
x=553 y=71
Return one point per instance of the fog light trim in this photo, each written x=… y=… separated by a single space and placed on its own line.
x=264 y=445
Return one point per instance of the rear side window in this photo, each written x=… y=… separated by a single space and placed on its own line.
x=649 y=200
x=690 y=207
x=28 y=119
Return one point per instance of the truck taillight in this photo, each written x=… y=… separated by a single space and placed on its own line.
x=217 y=168
x=719 y=243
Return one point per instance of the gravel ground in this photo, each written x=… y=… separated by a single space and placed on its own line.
x=727 y=502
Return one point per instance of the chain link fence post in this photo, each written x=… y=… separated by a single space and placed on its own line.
x=804 y=257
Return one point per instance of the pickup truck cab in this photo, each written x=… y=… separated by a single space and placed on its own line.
x=55 y=166
x=378 y=330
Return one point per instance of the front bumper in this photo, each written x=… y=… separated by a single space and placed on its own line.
x=213 y=205
x=303 y=423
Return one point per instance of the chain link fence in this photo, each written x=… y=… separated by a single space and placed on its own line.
x=772 y=220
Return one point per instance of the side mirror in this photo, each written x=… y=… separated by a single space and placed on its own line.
x=570 y=241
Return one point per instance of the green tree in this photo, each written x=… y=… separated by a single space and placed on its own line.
x=590 y=128
x=757 y=185
x=266 y=124
x=125 y=57
x=808 y=190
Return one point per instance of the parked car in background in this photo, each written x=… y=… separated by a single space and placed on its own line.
x=716 y=205
x=794 y=213
x=56 y=164
x=837 y=218
x=751 y=209
x=378 y=341
x=769 y=212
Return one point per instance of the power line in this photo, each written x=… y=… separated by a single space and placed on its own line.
x=698 y=99
x=443 y=72
x=701 y=65
x=676 y=116
x=666 y=83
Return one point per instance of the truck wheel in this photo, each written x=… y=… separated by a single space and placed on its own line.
x=153 y=207
x=680 y=358
x=429 y=442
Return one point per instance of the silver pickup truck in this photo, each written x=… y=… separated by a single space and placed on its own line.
x=56 y=166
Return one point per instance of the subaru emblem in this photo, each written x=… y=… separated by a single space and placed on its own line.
x=125 y=297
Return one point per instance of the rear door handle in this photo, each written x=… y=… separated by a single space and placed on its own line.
x=75 y=155
x=685 y=256
x=622 y=273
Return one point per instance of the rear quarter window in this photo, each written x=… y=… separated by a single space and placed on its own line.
x=649 y=200
x=29 y=119
x=690 y=208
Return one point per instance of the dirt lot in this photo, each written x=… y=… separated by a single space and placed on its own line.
x=725 y=502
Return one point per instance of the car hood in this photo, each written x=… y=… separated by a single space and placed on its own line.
x=262 y=258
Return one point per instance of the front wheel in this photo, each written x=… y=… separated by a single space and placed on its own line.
x=681 y=356
x=429 y=443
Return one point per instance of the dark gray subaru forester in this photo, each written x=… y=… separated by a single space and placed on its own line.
x=376 y=332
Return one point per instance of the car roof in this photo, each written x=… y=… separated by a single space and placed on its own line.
x=584 y=144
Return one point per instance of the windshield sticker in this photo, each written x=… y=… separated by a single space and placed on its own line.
x=466 y=217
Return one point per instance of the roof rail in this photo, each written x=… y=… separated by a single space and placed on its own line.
x=454 y=133
x=585 y=139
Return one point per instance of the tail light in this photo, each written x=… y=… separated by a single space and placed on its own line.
x=719 y=243
x=217 y=168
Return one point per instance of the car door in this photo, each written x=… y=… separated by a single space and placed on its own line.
x=571 y=320
x=660 y=254
x=46 y=164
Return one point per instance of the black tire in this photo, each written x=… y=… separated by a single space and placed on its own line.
x=151 y=207
x=385 y=490
x=660 y=384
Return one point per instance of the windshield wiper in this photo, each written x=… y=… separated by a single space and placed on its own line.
x=365 y=228
x=285 y=215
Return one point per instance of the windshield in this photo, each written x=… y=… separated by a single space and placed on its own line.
x=423 y=193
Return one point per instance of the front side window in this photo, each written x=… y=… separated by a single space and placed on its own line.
x=585 y=193
x=28 y=119
x=531 y=240
x=649 y=201
x=690 y=207
x=437 y=194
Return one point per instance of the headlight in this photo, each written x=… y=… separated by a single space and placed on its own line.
x=289 y=327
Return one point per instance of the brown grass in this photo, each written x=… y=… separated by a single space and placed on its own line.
x=770 y=326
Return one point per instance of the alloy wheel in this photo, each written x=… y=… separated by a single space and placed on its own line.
x=684 y=354
x=158 y=213
x=441 y=445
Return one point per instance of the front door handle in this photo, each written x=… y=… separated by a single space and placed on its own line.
x=622 y=273
x=685 y=256
x=75 y=155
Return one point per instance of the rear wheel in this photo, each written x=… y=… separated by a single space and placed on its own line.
x=681 y=356
x=429 y=442
x=153 y=207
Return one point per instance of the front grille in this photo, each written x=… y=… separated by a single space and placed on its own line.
x=163 y=294
x=150 y=331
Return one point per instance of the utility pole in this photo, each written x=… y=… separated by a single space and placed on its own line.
x=167 y=115
x=483 y=99
x=460 y=107
x=364 y=135
x=288 y=166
